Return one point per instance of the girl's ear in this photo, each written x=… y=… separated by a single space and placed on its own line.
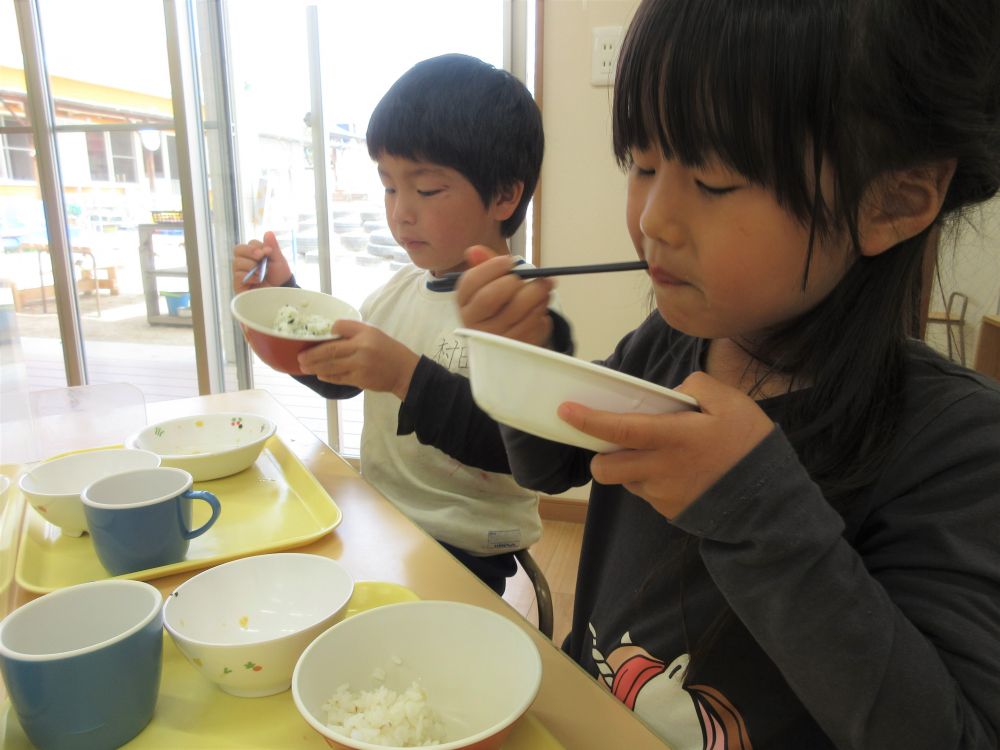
x=902 y=204
x=505 y=203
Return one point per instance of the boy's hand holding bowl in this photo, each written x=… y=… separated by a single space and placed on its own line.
x=260 y=304
x=257 y=310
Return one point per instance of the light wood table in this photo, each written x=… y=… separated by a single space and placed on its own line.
x=376 y=542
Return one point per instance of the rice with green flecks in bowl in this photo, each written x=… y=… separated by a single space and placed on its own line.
x=291 y=321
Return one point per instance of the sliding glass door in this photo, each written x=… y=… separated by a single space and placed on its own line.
x=141 y=139
x=94 y=232
x=305 y=80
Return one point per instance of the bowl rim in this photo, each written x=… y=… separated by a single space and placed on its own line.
x=329 y=562
x=471 y=739
x=132 y=441
x=267 y=330
x=586 y=365
x=27 y=476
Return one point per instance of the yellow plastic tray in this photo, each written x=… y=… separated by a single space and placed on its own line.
x=275 y=504
x=194 y=714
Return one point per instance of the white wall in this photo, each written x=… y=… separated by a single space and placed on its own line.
x=582 y=189
x=583 y=197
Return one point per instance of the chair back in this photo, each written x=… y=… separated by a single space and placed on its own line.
x=543 y=595
x=960 y=301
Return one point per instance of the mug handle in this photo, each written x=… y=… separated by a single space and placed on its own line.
x=213 y=501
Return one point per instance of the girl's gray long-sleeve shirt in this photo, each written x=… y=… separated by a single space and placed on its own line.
x=800 y=626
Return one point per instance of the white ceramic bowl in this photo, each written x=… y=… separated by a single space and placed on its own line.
x=53 y=487
x=243 y=624
x=479 y=670
x=522 y=386
x=256 y=310
x=206 y=446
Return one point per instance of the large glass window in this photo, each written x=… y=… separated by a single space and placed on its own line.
x=364 y=47
x=123 y=156
x=116 y=147
x=106 y=90
x=97 y=155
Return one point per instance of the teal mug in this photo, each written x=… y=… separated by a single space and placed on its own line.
x=82 y=664
x=141 y=519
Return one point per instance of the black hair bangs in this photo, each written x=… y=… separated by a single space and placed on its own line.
x=431 y=126
x=747 y=83
x=425 y=128
x=460 y=112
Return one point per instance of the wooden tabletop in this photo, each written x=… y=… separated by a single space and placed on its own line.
x=374 y=541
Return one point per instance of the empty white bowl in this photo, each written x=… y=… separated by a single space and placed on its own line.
x=480 y=671
x=53 y=487
x=256 y=310
x=522 y=386
x=206 y=446
x=243 y=624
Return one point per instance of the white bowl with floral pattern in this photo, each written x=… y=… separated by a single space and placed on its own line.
x=206 y=446
x=244 y=624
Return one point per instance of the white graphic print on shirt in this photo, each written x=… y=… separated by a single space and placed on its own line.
x=688 y=717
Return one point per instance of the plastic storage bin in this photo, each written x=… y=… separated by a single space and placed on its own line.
x=176 y=301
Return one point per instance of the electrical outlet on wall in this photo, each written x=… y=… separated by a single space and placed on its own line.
x=607 y=40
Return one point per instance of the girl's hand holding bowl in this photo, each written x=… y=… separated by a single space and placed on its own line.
x=674 y=458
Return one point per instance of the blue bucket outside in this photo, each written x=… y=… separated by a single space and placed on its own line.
x=176 y=300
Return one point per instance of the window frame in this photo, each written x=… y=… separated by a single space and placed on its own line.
x=6 y=149
x=111 y=157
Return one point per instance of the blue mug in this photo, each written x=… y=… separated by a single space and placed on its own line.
x=141 y=519
x=82 y=664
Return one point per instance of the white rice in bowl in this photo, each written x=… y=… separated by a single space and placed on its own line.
x=384 y=717
x=292 y=322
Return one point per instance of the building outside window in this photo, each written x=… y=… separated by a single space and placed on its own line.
x=18 y=150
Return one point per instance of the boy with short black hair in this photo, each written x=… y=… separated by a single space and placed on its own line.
x=458 y=144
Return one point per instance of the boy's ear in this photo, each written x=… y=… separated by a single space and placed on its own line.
x=902 y=204
x=506 y=200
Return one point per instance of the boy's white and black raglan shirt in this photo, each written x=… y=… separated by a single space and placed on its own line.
x=803 y=628
x=437 y=456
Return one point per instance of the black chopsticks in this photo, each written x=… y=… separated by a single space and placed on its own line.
x=447 y=282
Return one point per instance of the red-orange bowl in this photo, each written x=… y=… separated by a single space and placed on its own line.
x=255 y=311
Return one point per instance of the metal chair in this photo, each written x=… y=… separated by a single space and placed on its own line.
x=543 y=596
x=953 y=317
